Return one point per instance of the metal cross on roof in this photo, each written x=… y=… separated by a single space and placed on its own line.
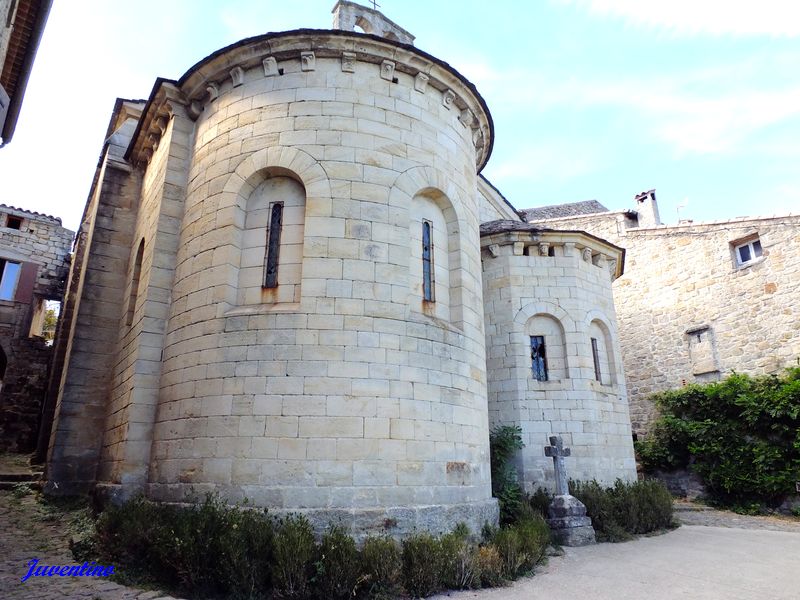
x=375 y=5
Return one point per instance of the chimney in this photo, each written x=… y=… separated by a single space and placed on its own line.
x=647 y=208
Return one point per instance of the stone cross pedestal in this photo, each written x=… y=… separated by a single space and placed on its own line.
x=568 y=520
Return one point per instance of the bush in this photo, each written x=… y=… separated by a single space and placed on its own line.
x=141 y=536
x=339 y=565
x=666 y=447
x=204 y=549
x=625 y=509
x=534 y=534
x=459 y=567
x=504 y=442
x=381 y=560
x=294 y=550
x=742 y=434
x=489 y=564
x=215 y=550
x=521 y=546
x=539 y=502
x=247 y=554
x=422 y=565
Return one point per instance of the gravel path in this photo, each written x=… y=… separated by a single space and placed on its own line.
x=691 y=514
x=29 y=531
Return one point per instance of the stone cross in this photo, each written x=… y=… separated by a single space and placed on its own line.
x=557 y=451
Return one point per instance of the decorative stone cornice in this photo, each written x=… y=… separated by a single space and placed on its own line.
x=163 y=104
x=262 y=57
x=522 y=239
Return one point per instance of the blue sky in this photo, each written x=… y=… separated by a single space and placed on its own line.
x=591 y=98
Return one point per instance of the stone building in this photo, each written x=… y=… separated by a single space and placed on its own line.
x=277 y=294
x=554 y=362
x=21 y=26
x=697 y=300
x=34 y=260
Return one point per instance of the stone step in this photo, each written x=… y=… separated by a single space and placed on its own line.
x=24 y=476
x=683 y=507
x=10 y=485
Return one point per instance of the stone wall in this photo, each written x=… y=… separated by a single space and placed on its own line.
x=341 y=392
x=556 y=285
x=91 y=327
x=356 y=394
x=689 y=313
x=38 y=249
x=142 y=314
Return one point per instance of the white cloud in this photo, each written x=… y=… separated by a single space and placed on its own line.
x=547 y=160
x=779 y=18
x=700 y=111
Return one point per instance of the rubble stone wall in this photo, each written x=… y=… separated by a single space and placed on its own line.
x=689 y=313
x=41 y=247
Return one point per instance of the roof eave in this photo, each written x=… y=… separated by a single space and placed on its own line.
x=15 y=105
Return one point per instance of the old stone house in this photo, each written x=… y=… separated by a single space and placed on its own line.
x=697 y=300
x=34 y=260
x=292 y=284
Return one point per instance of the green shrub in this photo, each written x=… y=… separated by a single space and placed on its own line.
x=339 y=565
x=489 y=564
x=534 y=535
x=382 y=566
x=200 y=546
x=522 y=545
x=246 y=553
x=540 y=501
x=139 y=535
x=208 y=549
x=625 y=509
x=459 y=568
x=294 y=550
x=214 y=550
x=742 y=433
x=504 y=442
x=422 y=565
x=509 y=547
x=653 y=504
x=666 y=447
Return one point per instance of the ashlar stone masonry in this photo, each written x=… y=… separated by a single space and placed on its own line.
x=282 y=249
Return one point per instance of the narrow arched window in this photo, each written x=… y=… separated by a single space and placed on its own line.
x=427 y=262
x=598 y=374
x=137 y=272
x=273 y=246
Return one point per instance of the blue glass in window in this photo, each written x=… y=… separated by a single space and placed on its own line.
x=538 y=359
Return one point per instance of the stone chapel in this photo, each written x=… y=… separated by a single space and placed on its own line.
x=291 y=284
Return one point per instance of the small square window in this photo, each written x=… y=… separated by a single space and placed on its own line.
x=13 y=222
x=747 y=252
